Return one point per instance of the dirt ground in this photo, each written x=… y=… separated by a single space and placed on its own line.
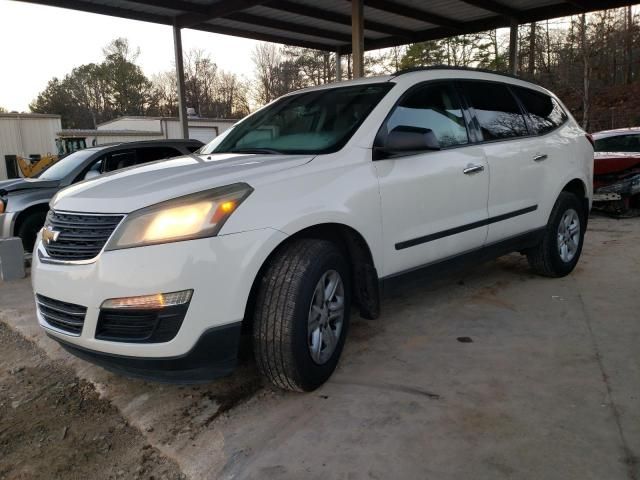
x=53 y=425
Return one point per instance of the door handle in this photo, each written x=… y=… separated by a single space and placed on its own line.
x=539 y=157
x=471 y=169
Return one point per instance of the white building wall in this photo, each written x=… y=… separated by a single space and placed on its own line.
x=151 y=124
x=213 y=127
x=27 y=134
x=169 y=126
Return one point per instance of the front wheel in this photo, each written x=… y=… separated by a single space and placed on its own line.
x=559 y=251
x=302 y=315
x=29 y=229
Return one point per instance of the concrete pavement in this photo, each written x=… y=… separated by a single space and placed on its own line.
x=495 y=373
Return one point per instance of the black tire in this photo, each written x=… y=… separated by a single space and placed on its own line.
x=544 y=258
x=29 y=228
x=280 y=330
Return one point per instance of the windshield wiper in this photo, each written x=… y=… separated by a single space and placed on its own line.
x=255 y=150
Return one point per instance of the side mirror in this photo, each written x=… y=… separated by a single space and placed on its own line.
x=91 y=174
x=404 y=139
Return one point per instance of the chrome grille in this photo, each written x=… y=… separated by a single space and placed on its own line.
x=64 y=316
x=81 y=236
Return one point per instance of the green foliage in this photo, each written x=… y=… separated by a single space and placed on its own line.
x=97 y=92
x=128 y=88
x=473 y=50
x=422 y=55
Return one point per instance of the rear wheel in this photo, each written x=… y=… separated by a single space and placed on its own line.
x=29 y=229
x=302 y=315
x=559 y=251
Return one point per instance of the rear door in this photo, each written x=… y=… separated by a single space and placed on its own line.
x=516 y=175
x=431 y=208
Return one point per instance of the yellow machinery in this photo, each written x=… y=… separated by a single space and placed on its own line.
x=32 y=167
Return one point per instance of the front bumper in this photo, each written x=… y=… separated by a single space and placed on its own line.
x=214 y=355
x=220 y=270
x=625 y=187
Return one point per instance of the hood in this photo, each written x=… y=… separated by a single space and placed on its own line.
x=17 y=184
x=133 y=188
x=614 y=162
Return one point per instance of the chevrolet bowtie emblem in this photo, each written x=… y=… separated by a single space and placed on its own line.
x=49 y=235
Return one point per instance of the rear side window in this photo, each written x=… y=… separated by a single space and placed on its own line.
x=619 y=143
x=150 y=154
x=435 y=107
x=118 y=160
x=545 y=113
x=496 y=109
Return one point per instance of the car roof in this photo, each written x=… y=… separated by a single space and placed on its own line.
x=435 y=72
x=615 y=132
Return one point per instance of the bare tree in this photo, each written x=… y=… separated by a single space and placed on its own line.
x=266 y=57
x=165 y=93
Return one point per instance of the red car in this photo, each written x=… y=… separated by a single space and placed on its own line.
x=616 y=172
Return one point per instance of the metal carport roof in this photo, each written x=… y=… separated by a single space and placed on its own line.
x=342 y=26
x=326 y=24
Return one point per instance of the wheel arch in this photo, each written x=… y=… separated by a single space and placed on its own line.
x=365 y=291
x=24 y=214
x=578 y=187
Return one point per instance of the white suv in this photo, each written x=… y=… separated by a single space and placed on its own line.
x=302 y=210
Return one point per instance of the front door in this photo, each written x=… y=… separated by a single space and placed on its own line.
x=434 y=203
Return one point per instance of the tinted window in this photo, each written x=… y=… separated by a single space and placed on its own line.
x=118 y=160
x=619 y=143
x=496 y=109
x=319 y=121
x=150 y=154
x=545 y=112
x=435 y=107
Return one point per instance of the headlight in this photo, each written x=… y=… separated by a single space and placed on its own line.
x=193 y=216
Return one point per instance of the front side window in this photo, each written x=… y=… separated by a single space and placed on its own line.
x=618 y=143
x=496 y=109
x=435 y=107
x=320 y=121
x=545 y=113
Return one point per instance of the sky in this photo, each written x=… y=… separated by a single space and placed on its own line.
x=38 y=43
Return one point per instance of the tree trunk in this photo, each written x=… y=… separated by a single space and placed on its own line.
x=585 y=72
x=628 y=45
x=532 y=50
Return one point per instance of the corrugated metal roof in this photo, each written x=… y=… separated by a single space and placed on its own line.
x=29 y=115
x=325 y=25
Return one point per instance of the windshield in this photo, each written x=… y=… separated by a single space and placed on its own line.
x=64 y=167
x=320 y=121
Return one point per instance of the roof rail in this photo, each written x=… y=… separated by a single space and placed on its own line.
x=447 y=67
